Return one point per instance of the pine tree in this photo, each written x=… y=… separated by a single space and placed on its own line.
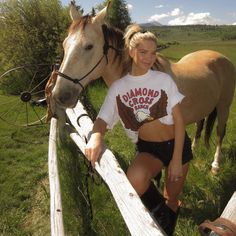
x=93 y=12
x=118 y=14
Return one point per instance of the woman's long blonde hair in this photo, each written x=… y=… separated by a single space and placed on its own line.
x=133 y=36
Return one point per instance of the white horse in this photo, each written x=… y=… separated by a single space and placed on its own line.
x=93 y=50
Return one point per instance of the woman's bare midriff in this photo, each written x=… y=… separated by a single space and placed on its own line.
x=155 y=131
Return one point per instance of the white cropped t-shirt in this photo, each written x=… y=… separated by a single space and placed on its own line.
x=135 y=100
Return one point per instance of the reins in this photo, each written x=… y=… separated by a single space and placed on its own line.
x=106 y=48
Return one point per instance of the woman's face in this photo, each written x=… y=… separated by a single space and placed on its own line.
x=144 y=55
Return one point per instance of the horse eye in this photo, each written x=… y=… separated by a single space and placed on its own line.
x=89 y=47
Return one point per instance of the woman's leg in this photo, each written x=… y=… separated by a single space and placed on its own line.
x=173 y=189
x=142 y=169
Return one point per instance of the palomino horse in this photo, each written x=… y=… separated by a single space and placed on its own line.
x=93 y=50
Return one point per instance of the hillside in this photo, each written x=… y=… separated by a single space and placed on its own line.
x=177 y=41
x=194 y=33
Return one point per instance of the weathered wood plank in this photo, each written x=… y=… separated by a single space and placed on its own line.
x=56 y=218
x=137 y=218
x=229 y=212
x=85 y=123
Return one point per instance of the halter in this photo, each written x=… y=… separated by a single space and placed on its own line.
x=106 y=47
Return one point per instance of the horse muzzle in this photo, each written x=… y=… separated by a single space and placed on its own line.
x=65 y=99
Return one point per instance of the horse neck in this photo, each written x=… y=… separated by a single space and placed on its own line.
x=113 y=69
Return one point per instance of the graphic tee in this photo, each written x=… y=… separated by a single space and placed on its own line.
x=135 y=100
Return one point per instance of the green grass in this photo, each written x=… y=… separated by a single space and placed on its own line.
x=18 y=113
x=24 y=192
x=176 y=52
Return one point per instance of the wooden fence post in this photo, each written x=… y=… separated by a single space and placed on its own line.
x=56 y=218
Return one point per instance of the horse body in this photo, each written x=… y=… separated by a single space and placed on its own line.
x=206 y=78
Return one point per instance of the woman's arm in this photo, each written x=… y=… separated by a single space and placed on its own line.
x=94 y=146
x=175 y=167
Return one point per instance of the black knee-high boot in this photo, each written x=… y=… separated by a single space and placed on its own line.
x=155 y=203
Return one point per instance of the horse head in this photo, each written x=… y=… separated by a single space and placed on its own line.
x=85 y=56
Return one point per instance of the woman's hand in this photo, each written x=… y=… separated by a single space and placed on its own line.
x=94 y=148
x=175 y=170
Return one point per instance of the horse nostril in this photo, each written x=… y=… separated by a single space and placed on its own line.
x=65 y=98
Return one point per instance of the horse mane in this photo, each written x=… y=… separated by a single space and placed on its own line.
x=162 y=64
x=115 y=37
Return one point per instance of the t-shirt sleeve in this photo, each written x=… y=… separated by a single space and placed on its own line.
x=108 y=111
x=175 y=96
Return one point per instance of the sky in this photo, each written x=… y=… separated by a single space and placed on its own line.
x=174 y=12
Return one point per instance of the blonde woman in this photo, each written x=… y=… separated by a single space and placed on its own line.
x=146 y=102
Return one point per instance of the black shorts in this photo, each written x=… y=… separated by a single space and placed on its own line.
x=164 y=150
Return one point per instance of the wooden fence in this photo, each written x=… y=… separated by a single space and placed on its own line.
x=136 y=216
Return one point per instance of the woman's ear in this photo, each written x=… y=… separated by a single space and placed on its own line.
x=131 y=53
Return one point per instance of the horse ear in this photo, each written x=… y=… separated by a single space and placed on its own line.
x=99 y=18
x=74 y=13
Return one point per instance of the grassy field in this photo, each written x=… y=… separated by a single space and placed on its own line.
x=88 y=206
x=175 y=52
x=24 y=191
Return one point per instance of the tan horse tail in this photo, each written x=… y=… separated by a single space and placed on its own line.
x=209 y=126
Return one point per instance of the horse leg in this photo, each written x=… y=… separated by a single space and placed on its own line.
x=222 y=116
x=197 y=136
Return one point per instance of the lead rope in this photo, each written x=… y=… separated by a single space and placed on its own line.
x=90 y=173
